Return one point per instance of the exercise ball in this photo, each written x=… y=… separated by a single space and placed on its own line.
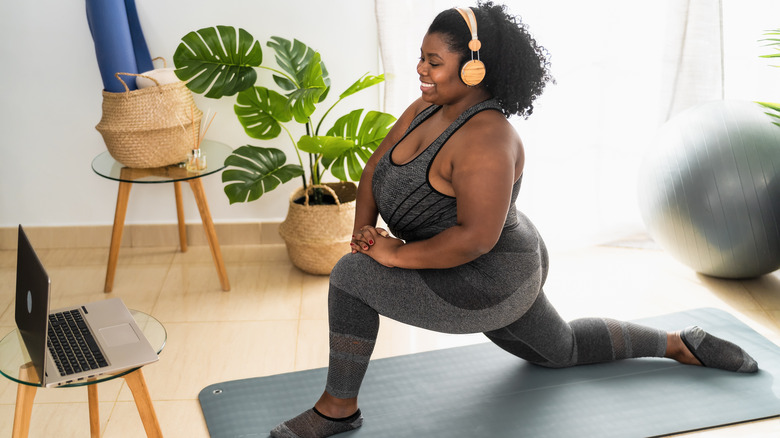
x=709 y=189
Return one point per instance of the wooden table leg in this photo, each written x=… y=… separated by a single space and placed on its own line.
x=94 y=411
x=25 y=394
x=116 y=233
x=211 y=235
x=137 y=384
x=180 y=216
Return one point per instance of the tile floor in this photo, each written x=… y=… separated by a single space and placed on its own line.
x=274 y=320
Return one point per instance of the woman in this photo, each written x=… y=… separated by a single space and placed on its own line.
x=462 y=259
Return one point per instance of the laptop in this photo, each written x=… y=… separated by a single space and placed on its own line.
x=112 y=342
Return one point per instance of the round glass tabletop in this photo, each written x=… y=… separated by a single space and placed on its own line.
x=13 y=354
x=214 y=152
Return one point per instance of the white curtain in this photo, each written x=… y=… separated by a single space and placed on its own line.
x=693 y=59
x=401 y=25
x=621 y=69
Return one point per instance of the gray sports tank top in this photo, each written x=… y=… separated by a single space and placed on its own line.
x=411 y=207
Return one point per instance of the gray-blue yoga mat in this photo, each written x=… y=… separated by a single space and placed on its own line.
x=482 y=391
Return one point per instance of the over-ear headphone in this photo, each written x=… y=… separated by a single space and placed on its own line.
x=473 y=71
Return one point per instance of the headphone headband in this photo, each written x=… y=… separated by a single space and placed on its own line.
x=471 y=22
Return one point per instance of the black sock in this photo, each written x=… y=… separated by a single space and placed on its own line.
x=351 y=418
x=714 y=352
x=313 y=424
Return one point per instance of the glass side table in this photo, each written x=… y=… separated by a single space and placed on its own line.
x=15 y=365
x=107 y=167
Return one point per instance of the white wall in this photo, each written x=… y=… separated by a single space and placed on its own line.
x=582 y=161
x=50 y=102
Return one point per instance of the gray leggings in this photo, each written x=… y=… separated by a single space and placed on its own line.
x=539 y=335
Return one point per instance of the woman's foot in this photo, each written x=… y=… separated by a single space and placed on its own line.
x=313 y=424
x=329 y=416
x=694 y=346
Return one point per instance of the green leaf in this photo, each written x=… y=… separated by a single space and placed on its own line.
x=293 y=58
x=302 y=103
x=364 y=82
x=365 y=137
x=325 y=145
x=256 y=170
x=770 y=105
x=774 y=107
x=305 y=65
x=777 y=116
x=218 y=61
x=261 y=112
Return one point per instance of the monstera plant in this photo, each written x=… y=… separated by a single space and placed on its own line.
x=222 y=61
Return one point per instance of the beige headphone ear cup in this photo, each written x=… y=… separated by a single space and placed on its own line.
x=473 y=72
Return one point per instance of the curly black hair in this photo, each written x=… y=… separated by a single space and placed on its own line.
x=517 y=68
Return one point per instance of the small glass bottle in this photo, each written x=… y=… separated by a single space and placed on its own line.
x=196 y=161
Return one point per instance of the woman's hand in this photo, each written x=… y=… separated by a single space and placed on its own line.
x=365 y=237
x=376 y=243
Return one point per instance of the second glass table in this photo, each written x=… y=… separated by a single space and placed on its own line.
x=107 y=167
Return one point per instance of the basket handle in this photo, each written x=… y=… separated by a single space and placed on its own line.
x=320 y=186
x=127 y=89
x=165 y=63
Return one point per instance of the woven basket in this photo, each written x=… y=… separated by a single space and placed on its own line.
x=150 y=127
x=317 y=236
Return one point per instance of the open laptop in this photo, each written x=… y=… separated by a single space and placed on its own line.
x=113 y=343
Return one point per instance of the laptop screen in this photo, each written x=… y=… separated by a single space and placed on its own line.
x=32 y=301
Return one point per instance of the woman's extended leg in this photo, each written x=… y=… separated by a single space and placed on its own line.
x=353 y=329
x=541 y=336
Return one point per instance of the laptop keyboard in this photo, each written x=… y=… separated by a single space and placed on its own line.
x=72 y=345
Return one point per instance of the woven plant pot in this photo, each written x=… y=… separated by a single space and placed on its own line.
x=317 y=236
x=150 y=127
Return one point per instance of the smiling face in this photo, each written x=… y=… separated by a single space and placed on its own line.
x=439 y=70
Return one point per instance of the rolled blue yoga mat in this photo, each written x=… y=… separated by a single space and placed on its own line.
x=119 y=42
x=143 y=60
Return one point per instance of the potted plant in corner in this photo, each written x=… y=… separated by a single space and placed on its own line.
x=221 y=61
x=772 y=39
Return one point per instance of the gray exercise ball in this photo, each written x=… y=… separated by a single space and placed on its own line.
x=709 y=189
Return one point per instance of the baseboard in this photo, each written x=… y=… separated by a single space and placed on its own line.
x=142 y=235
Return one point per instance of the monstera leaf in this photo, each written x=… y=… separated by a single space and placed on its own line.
x=261 y=112
x=308 y=83
x=218 y=61
x=324 y=145
x=302 y=102
x=294 y=58
x=358 y=140
x=256 y=170
x=361 y=84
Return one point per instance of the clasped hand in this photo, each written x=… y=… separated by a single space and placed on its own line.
x=376 y=243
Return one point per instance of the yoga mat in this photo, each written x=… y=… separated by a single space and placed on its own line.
x=482 y=391
x=143 y=60
x=119 y=42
